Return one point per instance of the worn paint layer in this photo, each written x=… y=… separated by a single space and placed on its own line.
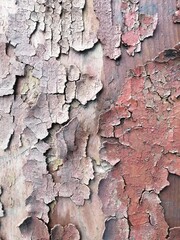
x=72 y=166
x=140 y=141
x=122 y=22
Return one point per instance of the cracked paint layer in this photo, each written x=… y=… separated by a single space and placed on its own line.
x=58 y=25
x=109 y=32
x=76 y=170
x=140 y=139
x=122 y=22
x=38 y=92
x=137 y=26
x=66 y=173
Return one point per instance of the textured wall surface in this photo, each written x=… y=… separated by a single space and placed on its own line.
x=89 y=119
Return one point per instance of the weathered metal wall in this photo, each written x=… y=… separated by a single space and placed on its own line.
x=89 y=119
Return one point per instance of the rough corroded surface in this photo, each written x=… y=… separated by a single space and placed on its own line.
x=137 y=26
x=75 y=163
x=122 y=21
x=140 y=139
x=38 y=92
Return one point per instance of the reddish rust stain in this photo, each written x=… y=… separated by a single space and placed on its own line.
x=136 y=27
x=141 y=131
x=132 y=25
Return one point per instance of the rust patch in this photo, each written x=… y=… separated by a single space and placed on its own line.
x=137 y=26
x=49 y=142
x=122 y=22
x=141 y=132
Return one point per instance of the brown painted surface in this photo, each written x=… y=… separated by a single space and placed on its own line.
x=170 y=198
x=89 y=120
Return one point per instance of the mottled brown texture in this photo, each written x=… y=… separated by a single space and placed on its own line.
x=170 y=200
x=174 y=233
x=33 y=228
x=65 y=233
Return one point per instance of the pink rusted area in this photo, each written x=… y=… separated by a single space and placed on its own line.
x=122 y=18
x=176 y=15
x=136 y=27
x=140 y=140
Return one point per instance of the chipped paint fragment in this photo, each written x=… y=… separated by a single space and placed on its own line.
x=89 y=84
x=137 y=26
x=65 y=233
x=109 y=32
x=33 y=228
x=122 y=22
x=1 y=206
x=176 y=15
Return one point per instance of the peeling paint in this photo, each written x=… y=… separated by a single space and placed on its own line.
x=71 y=168
x=122 y=22
x=141 y=132
x=33 y=228
x=137 y=26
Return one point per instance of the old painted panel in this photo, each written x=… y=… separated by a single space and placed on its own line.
x=89 y=120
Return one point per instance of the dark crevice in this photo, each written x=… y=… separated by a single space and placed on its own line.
x=170 y=201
